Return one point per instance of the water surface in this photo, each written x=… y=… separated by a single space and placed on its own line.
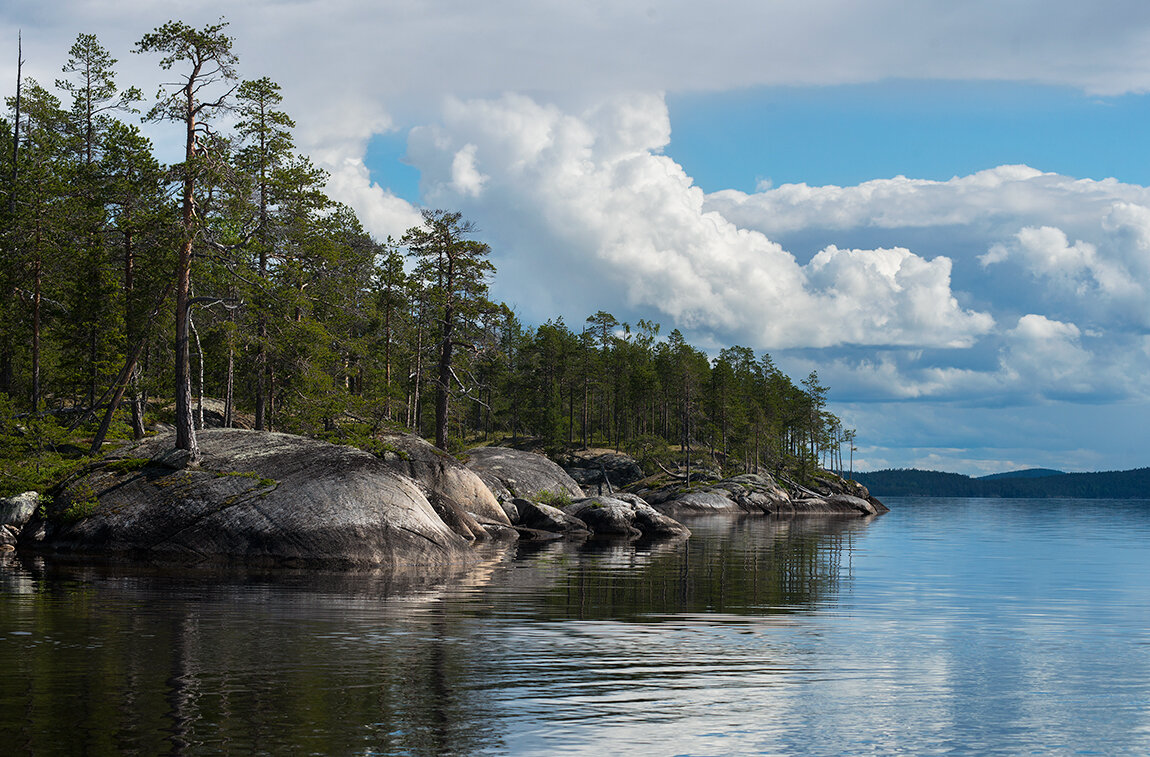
x=945 y=627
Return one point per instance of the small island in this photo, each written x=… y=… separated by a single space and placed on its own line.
x=334 y=356
x=265 y=498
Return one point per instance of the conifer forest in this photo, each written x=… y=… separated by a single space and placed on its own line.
x=131 y=290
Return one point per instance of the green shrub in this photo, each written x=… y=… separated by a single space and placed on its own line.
x=649 y=451
x=84 y=503
x=32 y=447
x=381 y=448
x=555 y=499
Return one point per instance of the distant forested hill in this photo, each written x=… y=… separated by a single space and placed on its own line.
x=1027 y=473
x=1131 y=484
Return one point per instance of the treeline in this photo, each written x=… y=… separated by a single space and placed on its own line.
x=288 y=311
x=1131 y=484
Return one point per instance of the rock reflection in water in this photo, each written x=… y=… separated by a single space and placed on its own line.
x=733 y=564
x=141 y=661
x=131 y=661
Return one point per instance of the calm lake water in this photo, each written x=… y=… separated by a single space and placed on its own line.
x=945 y=627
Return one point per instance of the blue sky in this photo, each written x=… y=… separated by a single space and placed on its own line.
x=942 y=207
x=847 y=134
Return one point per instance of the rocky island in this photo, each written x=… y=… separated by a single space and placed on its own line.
x=277 y=499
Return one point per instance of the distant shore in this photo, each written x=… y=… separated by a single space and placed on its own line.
x=1040 y=483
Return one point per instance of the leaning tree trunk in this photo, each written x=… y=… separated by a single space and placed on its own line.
x=121 y=383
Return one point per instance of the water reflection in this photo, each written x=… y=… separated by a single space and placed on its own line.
x=143 y=661
x=739 y=565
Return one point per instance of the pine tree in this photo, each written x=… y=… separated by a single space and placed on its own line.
x=456 y=269
x=267 y=143
x=210 y=62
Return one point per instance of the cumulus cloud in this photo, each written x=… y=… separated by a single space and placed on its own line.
x=895 y=293
x=348 y=67
x=1018 y=241
x=612 y=201
x=1046 y=251
x=1048 y=356
x=587 y=203
x=465 y=176
x=995 y=200
x=381 y=212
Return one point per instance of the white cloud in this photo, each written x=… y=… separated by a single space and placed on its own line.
x=1046 y=251
x=1097 y=276
x=1073 y=249
x=348 y=67
x=611 y=201
x=588 y=203
x=995 y=200
x=381 y=212
x=893 y=293
x=465 y=176
x=1048 y=356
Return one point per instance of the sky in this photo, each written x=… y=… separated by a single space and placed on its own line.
x=941 y=207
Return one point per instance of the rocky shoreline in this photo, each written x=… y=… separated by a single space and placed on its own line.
x=261 y=498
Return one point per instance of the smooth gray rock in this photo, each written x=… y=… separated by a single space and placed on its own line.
x=447 y=483
x=759 y=493
x=589 y=470
x=833 y=504
x=606 y=516
x=510 y=510
x=540 y=517
x=624 y=515
x=748 y=493
x=703 y=502
x=511 y=473
x=828 y=486
x=18 y=510
x=256 y=497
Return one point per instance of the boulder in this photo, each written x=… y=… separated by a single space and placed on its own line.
x=256 y=497
x=18 y=510
x=213 y=415
x=702 y=502
x=759 y=493
x=510 y=510
x=748 y=493
x=537 y=516
x=834 y=504
x=448 y=484
x=511 y=473
x=865 y=507
x=828 y=484
x=624 y=515
x=589 y=468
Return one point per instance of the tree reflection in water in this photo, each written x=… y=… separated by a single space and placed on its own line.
x=132 y=661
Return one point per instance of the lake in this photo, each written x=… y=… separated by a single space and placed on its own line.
x=948 y=626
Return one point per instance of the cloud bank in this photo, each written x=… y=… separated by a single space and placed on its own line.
x=611 y=202
x=1054 y=269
